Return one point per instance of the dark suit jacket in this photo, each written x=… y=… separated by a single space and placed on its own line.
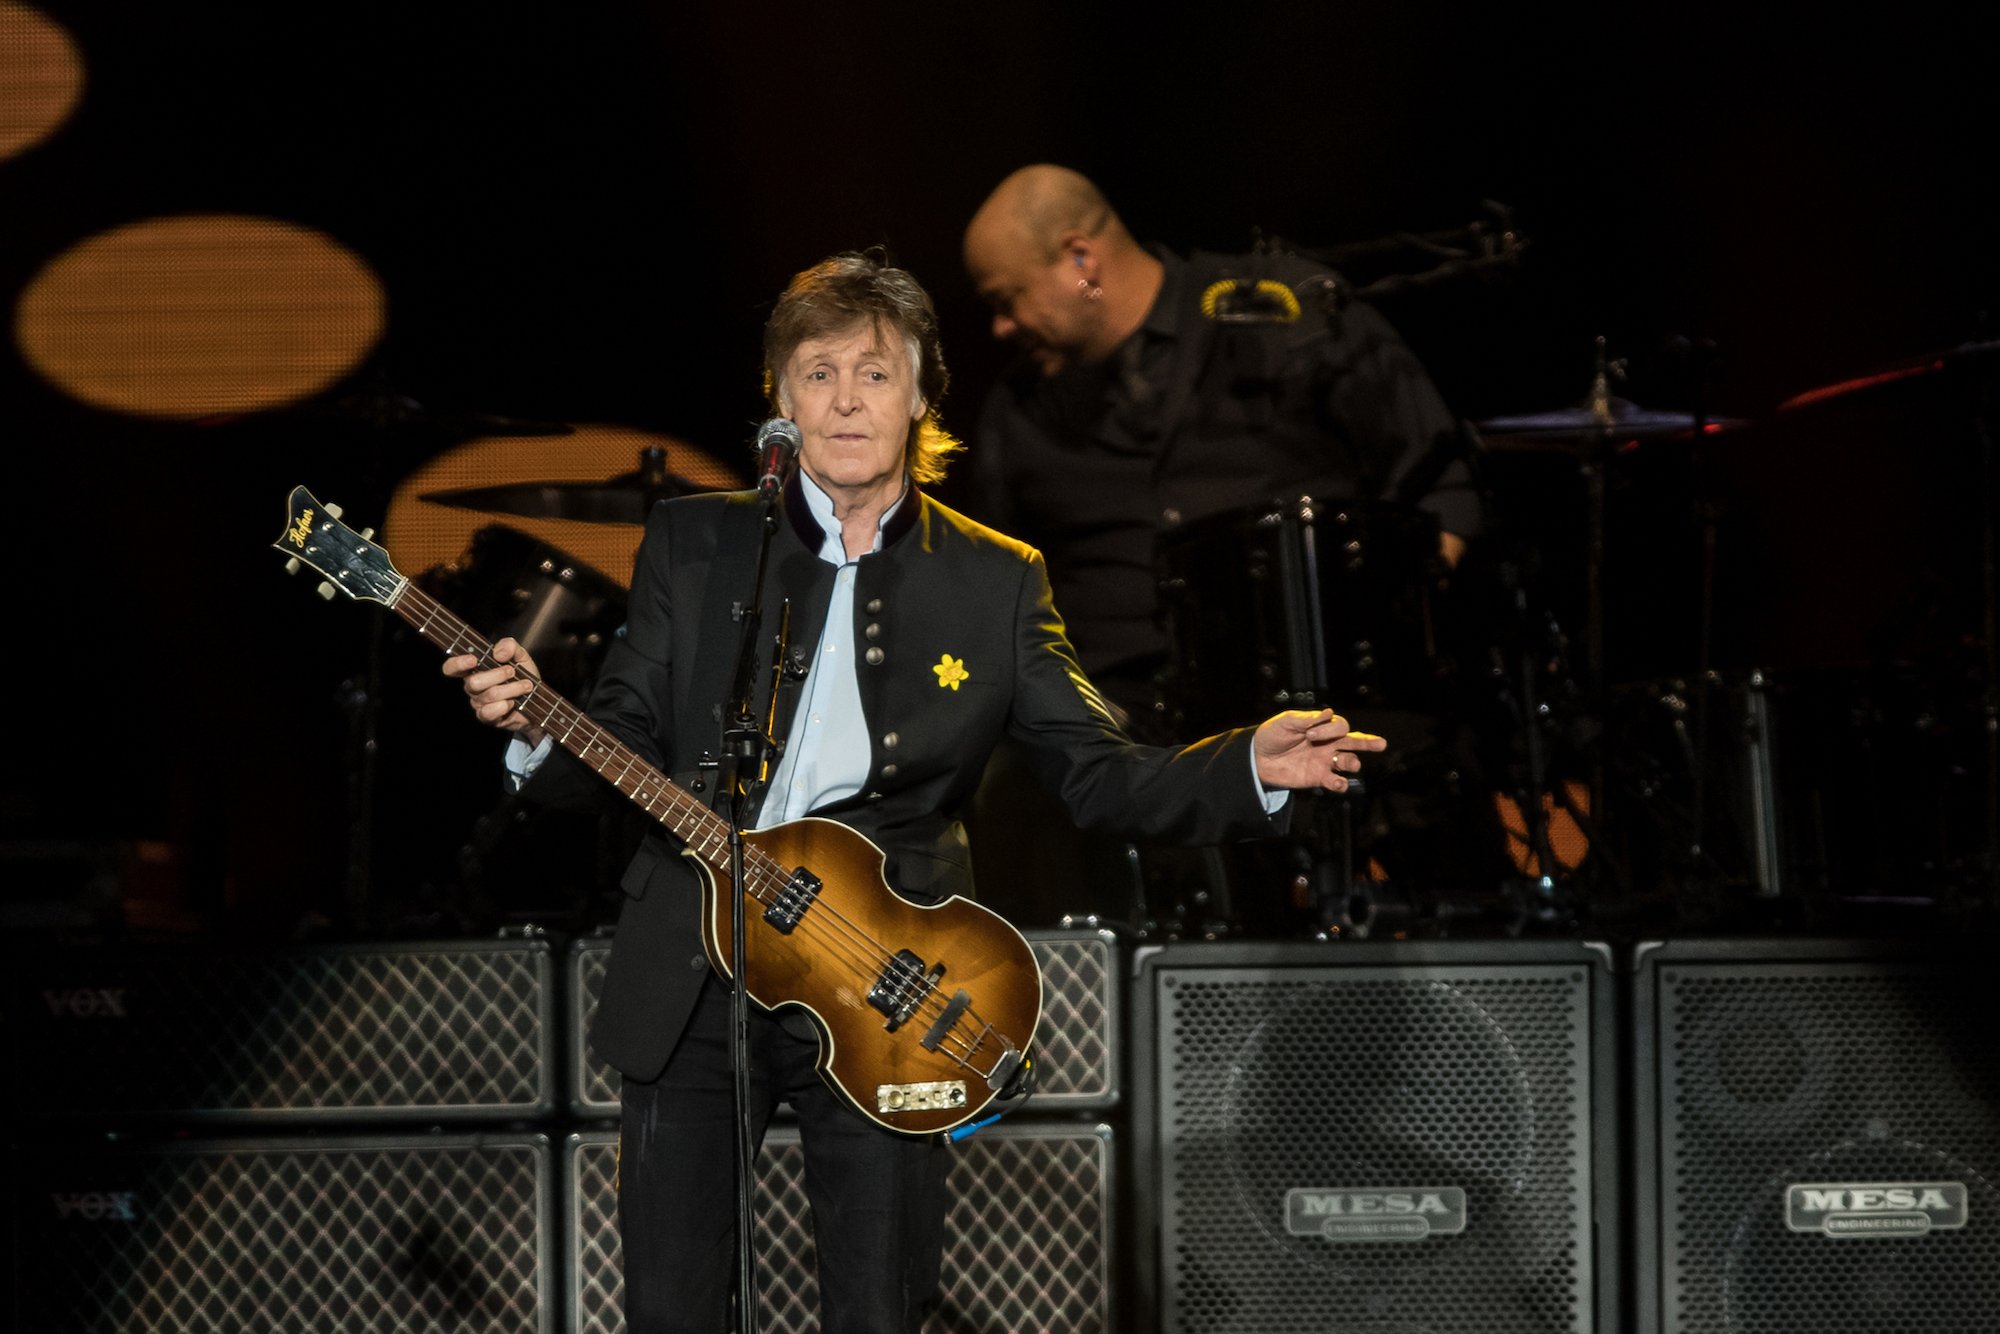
x=942 y=586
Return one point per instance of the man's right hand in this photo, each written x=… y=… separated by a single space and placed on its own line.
x=497 y=692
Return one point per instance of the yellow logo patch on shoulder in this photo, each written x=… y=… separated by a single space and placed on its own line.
x=950 y=671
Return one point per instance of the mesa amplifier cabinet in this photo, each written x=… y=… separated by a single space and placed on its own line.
x=1819 y=1138
x=1077 y=1049
x=440 y=1031
x=1029 y=1238
x=1375 y=1138
x=421 y=1233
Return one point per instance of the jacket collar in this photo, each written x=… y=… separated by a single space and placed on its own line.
x=902 y=517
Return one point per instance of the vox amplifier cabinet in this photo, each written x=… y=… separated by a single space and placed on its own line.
x=1077 y=1052
x=348 y=1236
x=1819 y=1137
x=441 y=1031
x=1366 y=1138
x=1029 y=1239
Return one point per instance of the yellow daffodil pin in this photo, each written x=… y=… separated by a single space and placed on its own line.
x=950 y=671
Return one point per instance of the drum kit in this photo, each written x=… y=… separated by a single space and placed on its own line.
x=1701 y=670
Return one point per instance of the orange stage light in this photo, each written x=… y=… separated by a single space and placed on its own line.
x=199 y=315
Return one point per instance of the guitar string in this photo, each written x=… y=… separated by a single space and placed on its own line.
x=761 y=870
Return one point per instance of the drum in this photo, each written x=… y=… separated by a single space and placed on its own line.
x=1300 y=606
x=509 y=584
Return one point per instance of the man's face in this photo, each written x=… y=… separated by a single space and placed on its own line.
x=1037 y=303
x=854 y=396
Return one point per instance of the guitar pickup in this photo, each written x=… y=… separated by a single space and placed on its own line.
x=902 y=987
x=789 y=907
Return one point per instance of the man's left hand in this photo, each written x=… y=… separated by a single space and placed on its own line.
x=1309 y=750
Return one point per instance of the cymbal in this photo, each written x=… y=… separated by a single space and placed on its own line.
x=1909 y=368
x=1578 y=427
x=626 y=498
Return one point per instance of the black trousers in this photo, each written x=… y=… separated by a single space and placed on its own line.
x=878 y=1198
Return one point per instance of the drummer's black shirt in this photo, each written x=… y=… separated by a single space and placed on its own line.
x=1193 y=418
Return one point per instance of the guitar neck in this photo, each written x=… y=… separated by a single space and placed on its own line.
x=701 y=829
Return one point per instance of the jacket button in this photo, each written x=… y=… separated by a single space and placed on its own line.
x=874 y=796
x=874 y=657
x=889 y=741
x=888 y=771
x=699 y=961
x=874 y=605
x=873 y=630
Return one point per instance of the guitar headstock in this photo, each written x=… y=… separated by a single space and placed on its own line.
x=315 y=536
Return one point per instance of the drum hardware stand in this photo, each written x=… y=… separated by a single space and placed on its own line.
x=1535 y=780
x=1298 y=563
x=1989 y=586
x=1596 y=462
x=655 y=482
x=1488 y=243
x=358 y=696
x=1701 y=360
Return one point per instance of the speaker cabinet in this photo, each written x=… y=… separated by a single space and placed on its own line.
x=1375 y=1139
x=425 y=1233
x=442 y=1031
x=1077 y=1050
x=1819 y=1139
x=1028 y=1239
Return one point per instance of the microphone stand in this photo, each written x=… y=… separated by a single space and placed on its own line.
x=744 y=739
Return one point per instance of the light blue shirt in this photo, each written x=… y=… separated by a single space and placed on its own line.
x=827 y=755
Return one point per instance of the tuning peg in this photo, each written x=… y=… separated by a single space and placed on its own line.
x=333 y=511
x=327 y=590
x=367 y=534
x=292 y=566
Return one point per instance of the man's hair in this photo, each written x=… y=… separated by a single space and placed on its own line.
x=862 y=289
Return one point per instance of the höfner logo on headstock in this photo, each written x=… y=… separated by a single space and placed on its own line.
x=1875 y=1208
x=1390 y=1213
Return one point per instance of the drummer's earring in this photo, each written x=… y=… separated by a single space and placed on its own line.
x=1090 y=290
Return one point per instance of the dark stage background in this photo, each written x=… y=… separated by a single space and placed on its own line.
x=582 y=212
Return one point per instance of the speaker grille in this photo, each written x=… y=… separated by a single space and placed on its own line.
x=433 y=1234
x=330 y=1035
x=1783 y=1074
x=1077 y=1050
x=1028 y=1237
x=1363 y=1080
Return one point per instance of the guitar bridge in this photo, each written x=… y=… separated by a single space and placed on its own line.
x=788 y=909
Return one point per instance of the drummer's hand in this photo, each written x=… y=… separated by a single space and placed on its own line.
x=497 y=693
x=1309 y=750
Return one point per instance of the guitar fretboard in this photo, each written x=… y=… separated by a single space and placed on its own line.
x=701 y=829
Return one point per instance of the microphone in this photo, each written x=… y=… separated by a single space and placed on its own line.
x=778 y=443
